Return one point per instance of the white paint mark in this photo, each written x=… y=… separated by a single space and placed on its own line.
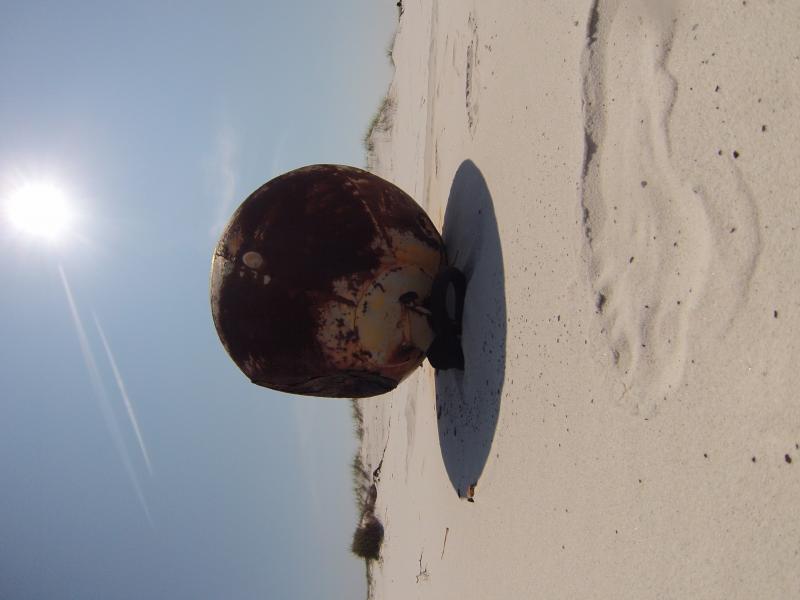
x=253 y=259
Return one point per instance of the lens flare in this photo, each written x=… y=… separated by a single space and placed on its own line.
x=40 y=209
x=102 y=397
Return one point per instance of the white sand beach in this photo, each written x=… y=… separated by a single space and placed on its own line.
x=619 y=181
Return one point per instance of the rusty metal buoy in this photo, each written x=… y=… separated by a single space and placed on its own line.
x=321 y=284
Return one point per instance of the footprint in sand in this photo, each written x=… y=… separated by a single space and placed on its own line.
x=472 y=78
x=650 y=242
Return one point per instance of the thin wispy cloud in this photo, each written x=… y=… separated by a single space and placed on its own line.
x=124 y=393
x=224 y=177
x=303 y=412
x=102 y=397
x=278 y=155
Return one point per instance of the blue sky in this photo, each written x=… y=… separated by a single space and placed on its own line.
x=157 y=119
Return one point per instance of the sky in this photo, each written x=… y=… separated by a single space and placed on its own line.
x=136 y=461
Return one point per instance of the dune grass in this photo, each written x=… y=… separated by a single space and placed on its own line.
x=360 y=483
x=381 y=122
x=357 y=416
x=368 y=535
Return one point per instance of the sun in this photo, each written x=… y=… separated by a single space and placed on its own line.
x=40 y=210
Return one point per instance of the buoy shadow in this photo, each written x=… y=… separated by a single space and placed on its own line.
x=468 y=401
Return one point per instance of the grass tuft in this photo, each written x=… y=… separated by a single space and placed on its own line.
x=390 y=49
x=360 y=483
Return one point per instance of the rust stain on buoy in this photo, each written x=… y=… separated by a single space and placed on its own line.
x=307 y=277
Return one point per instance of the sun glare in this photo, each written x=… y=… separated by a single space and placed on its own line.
x=40 y=209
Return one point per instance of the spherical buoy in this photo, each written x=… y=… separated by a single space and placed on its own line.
x=321 y=281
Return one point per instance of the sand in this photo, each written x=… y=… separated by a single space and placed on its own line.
x=619 y=180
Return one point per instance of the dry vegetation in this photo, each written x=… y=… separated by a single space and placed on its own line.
x=390 y=49
x=368 y=536
x=381 y=122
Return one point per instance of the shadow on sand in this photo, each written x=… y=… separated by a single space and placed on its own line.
x=468 y=402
